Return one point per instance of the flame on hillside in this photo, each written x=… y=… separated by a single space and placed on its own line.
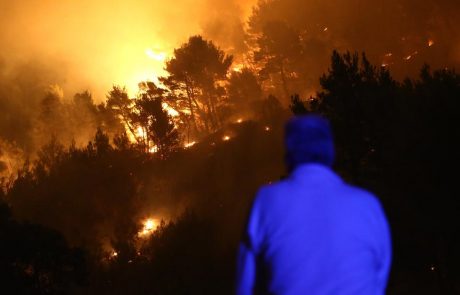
x=149 y=226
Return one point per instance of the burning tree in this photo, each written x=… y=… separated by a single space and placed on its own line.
x=120 y=105
x=154 y=118
x=145 y=117
x=196 y=73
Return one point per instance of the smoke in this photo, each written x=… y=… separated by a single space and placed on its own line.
x=401 y=34
x=92 y=45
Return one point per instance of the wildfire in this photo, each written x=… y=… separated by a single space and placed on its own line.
x=140 y=132
x=149 y=226
x=267 y=128
x=238 y=68
x=114 y=254
x=158 y=56
x=171 y=111
x=410 y=56
x=190 y=144
x=153 y=149
x=226 y=138
x=430 y=43
x=239 y=121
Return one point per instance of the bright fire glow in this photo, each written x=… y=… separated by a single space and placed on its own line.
x=411 y=55
x=149 y=226
x=238 y=68
x=267 y=128
x=140 y=132
x=239 y=121
x=190 y=144
x=158 y=56
x=226 y=138
x=153 y=149
x=430 y=43
x=172 y=112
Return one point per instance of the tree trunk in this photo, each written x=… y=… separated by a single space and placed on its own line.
x=284 y=81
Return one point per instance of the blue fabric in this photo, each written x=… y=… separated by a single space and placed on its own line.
x=308 y=139
x=314 y=234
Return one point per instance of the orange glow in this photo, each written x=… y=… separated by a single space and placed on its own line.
x=239 y=121
x=172 y=112
x=149 y=227
x=226 y=138
x=190 y=144
x=410 y=56
x=430 y=43
x=238 y=68
x=153 y=149
x=158 y=56
x=267 y=128
x=140 y=132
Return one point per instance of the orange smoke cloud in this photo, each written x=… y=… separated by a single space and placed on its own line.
x=96 y=44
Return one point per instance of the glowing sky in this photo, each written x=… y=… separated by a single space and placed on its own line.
x=95 y=44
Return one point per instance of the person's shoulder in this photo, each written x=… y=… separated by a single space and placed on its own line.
x=271 y=192
x=362 y=197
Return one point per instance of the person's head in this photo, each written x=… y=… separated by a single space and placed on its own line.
x=308 y=139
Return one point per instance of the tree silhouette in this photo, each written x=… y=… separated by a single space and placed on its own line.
x=160 y=128
x=243 y=91
x=278 y=51
x=120 y=105
x=394 y=137
x=194 y=73
x=35 y=259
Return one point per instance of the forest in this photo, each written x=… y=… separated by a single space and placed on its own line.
x=148 y=192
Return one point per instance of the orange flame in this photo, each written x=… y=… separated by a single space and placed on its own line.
x=149 y=226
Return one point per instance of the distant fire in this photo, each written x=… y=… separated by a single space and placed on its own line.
x=171 y=111
x=153 y=149
x=430 y=43
x=239 y=121
x=226 y=138
x=158 y=56
x=149 y=226
x=190 y=144
x=238 y=68
x=410 y=56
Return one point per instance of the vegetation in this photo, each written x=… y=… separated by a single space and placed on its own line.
x=70 y=217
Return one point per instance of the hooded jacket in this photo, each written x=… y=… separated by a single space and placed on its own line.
x=314 y=234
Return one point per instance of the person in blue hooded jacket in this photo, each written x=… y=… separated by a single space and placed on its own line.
x=312 y=233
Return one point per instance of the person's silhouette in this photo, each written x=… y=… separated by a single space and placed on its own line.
x=312 y=233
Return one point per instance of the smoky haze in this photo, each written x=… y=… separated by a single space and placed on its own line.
x=94 y=44
x=74 y=46
x=401 y=34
